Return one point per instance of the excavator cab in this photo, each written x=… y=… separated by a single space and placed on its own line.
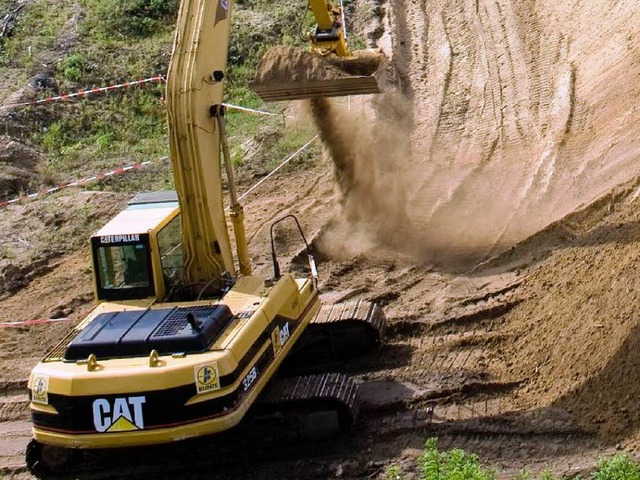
x=138 y=254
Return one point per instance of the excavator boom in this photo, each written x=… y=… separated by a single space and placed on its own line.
x=195 y=119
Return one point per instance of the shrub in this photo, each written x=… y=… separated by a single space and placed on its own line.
x=73 y=67
x=452 y=465
x=619 y=467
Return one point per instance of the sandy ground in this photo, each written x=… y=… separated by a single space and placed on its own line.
x=494 y=214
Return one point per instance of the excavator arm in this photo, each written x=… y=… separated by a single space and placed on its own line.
x=196 y=122
x=329 y=35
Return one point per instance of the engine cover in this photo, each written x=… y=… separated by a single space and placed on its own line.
x=138 y=332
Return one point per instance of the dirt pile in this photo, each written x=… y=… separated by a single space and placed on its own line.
x=519 y=118
x=577 y=332
x=522 y=112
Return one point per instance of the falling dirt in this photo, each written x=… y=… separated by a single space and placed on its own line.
x=369 y=159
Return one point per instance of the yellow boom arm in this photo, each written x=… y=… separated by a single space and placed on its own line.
x=194 y=94
x=329 y=36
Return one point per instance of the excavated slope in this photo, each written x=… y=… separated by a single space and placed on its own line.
x=522 y=111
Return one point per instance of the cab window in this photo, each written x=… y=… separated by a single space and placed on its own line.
x=123 y=270
x=123 y=266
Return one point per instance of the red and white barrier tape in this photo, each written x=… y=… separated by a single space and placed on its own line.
x=76 y=183
x=82 y=93
x=133 y=83
x=37 y=321
x=252 y=110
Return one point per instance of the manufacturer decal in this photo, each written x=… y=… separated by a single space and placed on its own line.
x=245 y=314
x=249 y=379
x=279 y=337
x=40 y=389
x=120 y=238
x=207 y=377
x=119 y=415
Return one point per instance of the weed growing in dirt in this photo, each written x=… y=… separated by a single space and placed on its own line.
x=73 y=67
x=393 y=473
x=457 y=464
x=620 y=467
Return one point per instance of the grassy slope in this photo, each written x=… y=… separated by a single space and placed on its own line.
x=98 y=42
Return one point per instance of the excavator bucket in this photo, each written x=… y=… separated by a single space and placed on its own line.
x=291 y=73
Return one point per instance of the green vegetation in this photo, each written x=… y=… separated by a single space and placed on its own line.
x=619 y=467
x=73 y=67
x=452 y=465
x=93 y=43
x=112 y=20
x=38 y=26
x=457 y=464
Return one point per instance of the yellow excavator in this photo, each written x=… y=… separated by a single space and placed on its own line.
x=184 y=340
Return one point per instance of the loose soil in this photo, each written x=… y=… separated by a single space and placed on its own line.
x=285 y=64
x=491 y=206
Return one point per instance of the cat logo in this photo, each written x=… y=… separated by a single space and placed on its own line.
x=39 y=391
x=279 y=337
x=207 y=377
x=123 y=415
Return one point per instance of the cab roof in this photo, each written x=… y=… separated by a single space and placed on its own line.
x=146 y=212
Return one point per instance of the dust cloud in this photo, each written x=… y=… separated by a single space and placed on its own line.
x=370 y=154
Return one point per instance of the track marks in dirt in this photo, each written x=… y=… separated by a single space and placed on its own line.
x=14 y=407
x=519 y=116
